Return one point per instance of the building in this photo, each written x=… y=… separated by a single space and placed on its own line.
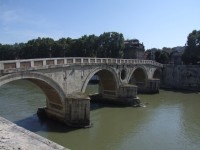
x=133 y=49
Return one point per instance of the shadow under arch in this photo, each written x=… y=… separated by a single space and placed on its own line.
x=108 y=79
x=55 y=96
x=138 y=77
x=157 y=74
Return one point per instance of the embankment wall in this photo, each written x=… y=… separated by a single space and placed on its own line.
x=186 y=77
x=13 y=137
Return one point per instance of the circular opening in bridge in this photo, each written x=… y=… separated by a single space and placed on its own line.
x=123 y=74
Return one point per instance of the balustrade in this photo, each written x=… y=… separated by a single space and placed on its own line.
x=31 y=63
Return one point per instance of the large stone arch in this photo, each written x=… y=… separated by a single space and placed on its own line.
x=55 y=96
x=157 y=74
x=139 y=77
x=138 y=70
x=106 y=74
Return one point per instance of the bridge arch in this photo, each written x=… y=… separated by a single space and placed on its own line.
x=108 y=79
x=157 y=74
x=138 y=77
x=55 y=96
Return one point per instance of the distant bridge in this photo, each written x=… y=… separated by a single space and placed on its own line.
x=63 y=80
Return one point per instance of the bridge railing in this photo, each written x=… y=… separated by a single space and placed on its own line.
x=46 y=62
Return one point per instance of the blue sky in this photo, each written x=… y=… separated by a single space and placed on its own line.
x=156 y=23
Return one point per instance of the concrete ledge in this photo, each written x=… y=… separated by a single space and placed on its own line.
x=17 y=138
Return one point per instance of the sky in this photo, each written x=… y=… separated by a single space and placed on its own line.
x=156 y=23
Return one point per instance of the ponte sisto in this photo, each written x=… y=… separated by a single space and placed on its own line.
x=64 y=81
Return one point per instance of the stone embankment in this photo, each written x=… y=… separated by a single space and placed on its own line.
x=185 y=77
x=13 y=137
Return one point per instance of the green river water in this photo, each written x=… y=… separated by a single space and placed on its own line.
x=170 y=121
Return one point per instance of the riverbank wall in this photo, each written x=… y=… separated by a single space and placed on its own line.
x=13 y=137
x=181 y=77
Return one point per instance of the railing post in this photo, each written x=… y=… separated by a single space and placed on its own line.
x=1 y=66
x=55 y=61
x=44 y=62
x=65 y=61
x=17 y=64
x=32 y=63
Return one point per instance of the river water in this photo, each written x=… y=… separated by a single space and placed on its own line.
x=170 y=121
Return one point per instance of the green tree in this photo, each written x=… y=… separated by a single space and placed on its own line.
x=110 y=44
x=64 y=45
x=191 y=54
x=7 y=52
x=38 y=48
x=162 y=57
x=91 y=46
x=153 y=53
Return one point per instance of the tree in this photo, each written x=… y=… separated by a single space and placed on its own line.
x=153 y=53
x=37 y=48
x=7 y=52
x=62 y=47
x=110 y=44
x=91 y=46
x=191 y=54
x=162 y=57
x=157 y=55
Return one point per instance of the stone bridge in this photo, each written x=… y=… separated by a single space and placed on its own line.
x=64 y=81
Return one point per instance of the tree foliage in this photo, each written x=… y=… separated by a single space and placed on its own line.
x=192 y=51
x=162 y=57
x=159 y=55
x=108 y=44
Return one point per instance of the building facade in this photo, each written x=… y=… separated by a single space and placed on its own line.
x=133 y=49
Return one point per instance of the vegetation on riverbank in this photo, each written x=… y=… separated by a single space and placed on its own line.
x=107 y=45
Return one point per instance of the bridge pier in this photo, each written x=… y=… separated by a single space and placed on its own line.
x=151 y=86
x=77 y=111
x=126 y=95
x=77 y=105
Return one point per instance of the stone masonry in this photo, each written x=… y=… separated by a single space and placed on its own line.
x=61 y=77
x=13 y=137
